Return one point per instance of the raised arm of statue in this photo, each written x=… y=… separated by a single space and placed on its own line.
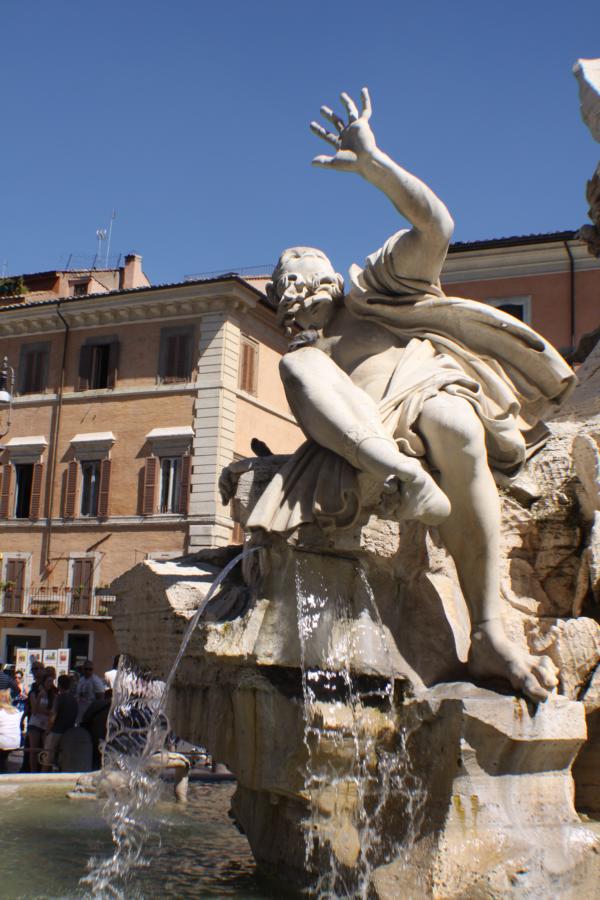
x=423 y=248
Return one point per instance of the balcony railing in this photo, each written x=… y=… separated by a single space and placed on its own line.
x=60 y=602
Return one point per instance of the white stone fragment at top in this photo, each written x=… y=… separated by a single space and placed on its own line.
x=587 y=72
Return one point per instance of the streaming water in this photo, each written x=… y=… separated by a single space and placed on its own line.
x=359 y=776
x=137 y=731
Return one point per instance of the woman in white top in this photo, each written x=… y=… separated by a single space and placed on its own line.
x=10 y=728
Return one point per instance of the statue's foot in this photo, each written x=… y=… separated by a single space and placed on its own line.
x=420 y=498
x=492 y=655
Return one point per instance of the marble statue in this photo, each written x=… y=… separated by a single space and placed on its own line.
x=429 y=544
x=411 y=394
x=587 y=72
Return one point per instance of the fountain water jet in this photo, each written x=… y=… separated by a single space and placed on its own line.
x=133 y=755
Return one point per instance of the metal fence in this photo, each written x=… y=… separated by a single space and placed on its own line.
x=60 y=602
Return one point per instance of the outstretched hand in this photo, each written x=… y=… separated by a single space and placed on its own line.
x=354 y=141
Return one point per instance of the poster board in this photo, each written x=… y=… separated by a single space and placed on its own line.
x=36 y=654
x=50 y=658
x=63 y=661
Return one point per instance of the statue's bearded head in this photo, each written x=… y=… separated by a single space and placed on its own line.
x=304 y=286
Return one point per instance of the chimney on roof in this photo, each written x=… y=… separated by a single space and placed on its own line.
x=131 y=273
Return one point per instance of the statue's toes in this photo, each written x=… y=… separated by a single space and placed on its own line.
x=423 y=500
x=532 y=688
x=545 y=671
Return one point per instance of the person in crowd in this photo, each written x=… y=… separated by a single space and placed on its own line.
x=89 y=688
x=37 y=671
x=95 y=720
x=7 y=682
x=111 y=674
x=10 y=728
x=62 y=717
x=20 y=701
x=40 y=704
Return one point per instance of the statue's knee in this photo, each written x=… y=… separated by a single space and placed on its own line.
x=453 y=426
x=289 y=369
x=301 y=366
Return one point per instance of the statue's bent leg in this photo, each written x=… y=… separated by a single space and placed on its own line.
x=456 y=446
x=340 y=416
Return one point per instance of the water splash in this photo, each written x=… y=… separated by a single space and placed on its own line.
x=137 y=734
x=358 y=761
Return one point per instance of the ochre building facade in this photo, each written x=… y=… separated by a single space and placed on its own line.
x=127 y=404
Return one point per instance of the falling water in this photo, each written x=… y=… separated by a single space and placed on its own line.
x=137 y=730
x=373 y=768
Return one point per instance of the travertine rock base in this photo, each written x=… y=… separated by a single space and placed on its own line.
x=480 y=802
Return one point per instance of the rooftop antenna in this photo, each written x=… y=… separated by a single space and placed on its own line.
x=110 y=225
x=101 y=235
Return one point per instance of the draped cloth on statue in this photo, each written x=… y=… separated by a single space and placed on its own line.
x=509 y=374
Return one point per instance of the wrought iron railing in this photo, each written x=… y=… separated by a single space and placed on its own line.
x=59 y=602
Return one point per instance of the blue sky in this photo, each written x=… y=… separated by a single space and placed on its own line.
x=190 y=119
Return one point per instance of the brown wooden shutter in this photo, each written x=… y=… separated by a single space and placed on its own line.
x=13 y=596
x=5 y=494
x=184 y=493
x=149 y=493
x=36 y=491
x=81 y=587
x=85 y=367
x=113 y=364
x=71 y=490
x=248 y=368
x=103 y=493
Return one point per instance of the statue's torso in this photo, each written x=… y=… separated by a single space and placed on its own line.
x=367 y=351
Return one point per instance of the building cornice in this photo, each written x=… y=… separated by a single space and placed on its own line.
x=106 y=394
x=515 y=261
x=160 y=520
x=119 y=309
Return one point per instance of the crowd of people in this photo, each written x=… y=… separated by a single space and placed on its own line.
x=35 y=721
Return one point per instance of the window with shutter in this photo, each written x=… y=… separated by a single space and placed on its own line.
x=14 y=592
x=170 y=484
x=5 y=494
x=23 y=489
x=248 y=368
x=98 y=362
x=33 y=368
x=175 y=356
x=71 y=489
x=149 y=489
x=36 y=491
x=85 y=367
x=104 y=490
x=184 y=493
x=90 y=487
x=82 y=586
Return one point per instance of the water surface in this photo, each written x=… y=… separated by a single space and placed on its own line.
x=46 y=841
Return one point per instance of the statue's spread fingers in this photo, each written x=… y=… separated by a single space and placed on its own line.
x=333 y=118
x=326 y=135
x=366 y=104
x=350 y=106
x=323 y=161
